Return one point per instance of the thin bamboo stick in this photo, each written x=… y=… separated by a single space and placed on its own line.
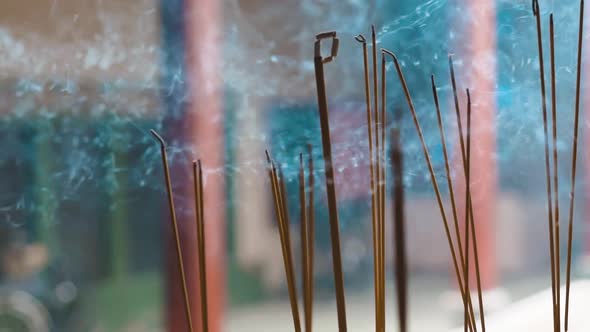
x=537 y=13
x=573 y=172
x=200 y=220
x=187 y=307
x=319 y=62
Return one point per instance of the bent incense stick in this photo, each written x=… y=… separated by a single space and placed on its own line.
x=319 y=62
x=187 y=307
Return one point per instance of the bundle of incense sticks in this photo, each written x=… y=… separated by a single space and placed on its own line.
x=376 y=134
x=553 y=196
x=200 y=219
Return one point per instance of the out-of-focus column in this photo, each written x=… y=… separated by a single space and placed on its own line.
x=477 y=48
x=205 y=118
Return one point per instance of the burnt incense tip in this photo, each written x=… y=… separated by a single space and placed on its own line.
x=536 y=7
x=385 y=51
x=325 y=35
x=158 y=137
x=373 y=29
x=334 y=49
x=360 y=38
x=267 y=156
x=194 y=163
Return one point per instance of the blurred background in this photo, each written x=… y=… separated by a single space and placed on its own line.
x=85 y=233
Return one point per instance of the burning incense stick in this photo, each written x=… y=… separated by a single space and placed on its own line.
x=401 y=268
x=200 y=218
x=451 y=195
x=282 y=218
x=311 y=231
x=187 y=307
x=319 y=62
x=537 y=13
x=305 y=260
x=555 y=173
x=574 y=161
x=464 y=292
x=361 y=39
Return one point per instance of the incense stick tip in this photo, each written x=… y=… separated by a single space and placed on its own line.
x=325 y=35
x=158 y=137
x=360 y=38
x=385 y=51
x=536 y=7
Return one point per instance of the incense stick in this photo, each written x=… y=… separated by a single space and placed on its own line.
x=464 y=292
x=382 y=182
x=319 y=62
x=401 y=268
x=463 y=159
x=451 y=193
x=311 y=229
x=380 y=299
x=537 y=13
x=282 y=218
x=289 y=253
x=555 y=173
x=467 y=172
x=187 y=307
x=361 y=39
x=471 y=217
x=200 y=218
x=574 y=161
x=304 y=245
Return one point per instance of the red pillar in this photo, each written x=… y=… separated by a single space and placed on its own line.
x=205 y=123
x=477 y=47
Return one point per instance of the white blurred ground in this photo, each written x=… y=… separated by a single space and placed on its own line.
x=427 y=313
